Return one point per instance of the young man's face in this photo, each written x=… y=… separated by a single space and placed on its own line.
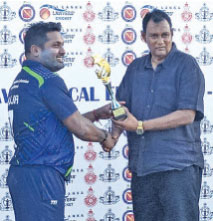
x=158 y=37
x=51 y=55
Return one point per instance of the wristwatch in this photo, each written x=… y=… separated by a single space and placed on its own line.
x=140 y=129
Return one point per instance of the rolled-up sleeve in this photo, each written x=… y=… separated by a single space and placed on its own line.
x=191 y=88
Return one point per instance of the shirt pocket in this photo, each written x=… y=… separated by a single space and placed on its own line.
x=166 y=98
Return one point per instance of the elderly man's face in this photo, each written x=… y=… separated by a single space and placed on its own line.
x=51 y=55
x=158 y=37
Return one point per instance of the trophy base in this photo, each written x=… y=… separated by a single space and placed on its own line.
x=119 y=113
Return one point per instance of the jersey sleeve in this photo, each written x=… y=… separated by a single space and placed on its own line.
x=57 y=97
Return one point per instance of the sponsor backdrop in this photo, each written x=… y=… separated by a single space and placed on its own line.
x=100 y=186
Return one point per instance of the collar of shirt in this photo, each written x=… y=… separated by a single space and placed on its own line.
x=31 y=63
x=38 y=68
x=165 y=62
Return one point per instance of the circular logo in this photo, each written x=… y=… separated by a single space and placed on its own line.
x=127 y=175
x=129 y=36
x=125 y=151
x=128 y=215
x=90 y=178
x=145 y=9
x=44 y=13
x=90 y=200
x=127 y=196
x=90 y=155
x=27 y=13
x=127 y=57
x=128 y=13
x=22 y=35
x=22 y=58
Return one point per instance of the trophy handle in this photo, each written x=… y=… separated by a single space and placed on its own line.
x=115 y=104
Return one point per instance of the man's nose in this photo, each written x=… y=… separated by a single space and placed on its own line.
x=62 y=50
x=160 y=40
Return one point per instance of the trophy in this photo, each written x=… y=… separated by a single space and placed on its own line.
x=103 y=73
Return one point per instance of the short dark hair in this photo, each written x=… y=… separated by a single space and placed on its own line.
x=156 y=16
x=36 y=34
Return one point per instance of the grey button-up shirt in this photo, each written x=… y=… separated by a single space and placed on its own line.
x=176 y=84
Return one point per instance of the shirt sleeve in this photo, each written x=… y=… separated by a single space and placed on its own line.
x=192 y=87
x=57 y=98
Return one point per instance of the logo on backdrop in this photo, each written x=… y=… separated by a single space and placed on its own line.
x=27 y=13
x=206 y=147
x=204 y=36
x=6 y=37
x=112 y=155
x=128 y=216
x=90 y=200
x=22 y=34
x=125 y=151
x=6 y=203
x=110 y=57
x=127 y=196
x=70 y=199
x=186 y=15
x=90 y=177
x=70 y=57
x=90 y=154
x=205 y=213
x=109 y=175
x=6 y=60
x=129 y=35
x=90 y=216
x=89 y=37
x=6 y=133
x=128 y=56
x=186 y=37
x=206 y=126
x=128 y=13
x=204 y=14
x=108 y=37
x=146 y=9
x=44 y=13
x=89 y=15
x=127 y=175
x=64 y=13
x=110 y=216
x=3 y=179
x=109 y=197
x=69 y=34
x=7 y=218
x=207 y=171
x=6 y=156
x=108 y=13
x=206 y=192
x=88 y=60
x=22 y=58
x=5 y=13
x=204 y=58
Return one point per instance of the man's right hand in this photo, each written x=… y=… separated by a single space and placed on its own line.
x=129 y=124
x=109 y=143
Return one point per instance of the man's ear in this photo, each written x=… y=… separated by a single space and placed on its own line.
x=35 y=50
x=143 y=36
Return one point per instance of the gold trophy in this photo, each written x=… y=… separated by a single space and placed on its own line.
x=103 y=73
